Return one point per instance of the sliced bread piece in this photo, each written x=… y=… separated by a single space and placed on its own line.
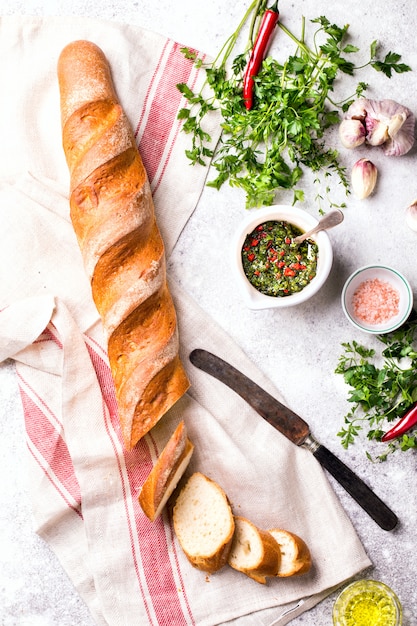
x=254 y=551
x=204 y=523
x=166 y=473
x=295 y=554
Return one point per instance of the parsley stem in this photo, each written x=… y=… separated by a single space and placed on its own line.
x=303 y=28
x=260 y=5
x=228 y=46
x=299 y=43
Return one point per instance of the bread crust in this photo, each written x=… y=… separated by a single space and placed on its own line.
x=166 y=473
x=296 y=556
x=113 y=217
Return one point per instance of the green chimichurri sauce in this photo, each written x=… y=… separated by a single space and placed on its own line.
x=275 y=265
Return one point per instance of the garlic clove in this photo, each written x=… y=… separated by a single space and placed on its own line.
x=403 y=140
x=376 y=131
x=363 y=178
x=395 y=123
x=358 y=109
x=411 y=216
x=352 y=133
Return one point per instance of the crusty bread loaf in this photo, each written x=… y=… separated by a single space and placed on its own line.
x=254 y=551
x=166 y=473
x=295 y=554
x=113 y=217
x=204 y=523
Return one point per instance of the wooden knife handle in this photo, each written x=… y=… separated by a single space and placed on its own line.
x=355 y=486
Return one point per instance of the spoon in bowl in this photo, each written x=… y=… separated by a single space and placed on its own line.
x=333 y=218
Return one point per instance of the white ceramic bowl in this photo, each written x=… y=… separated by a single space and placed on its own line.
x=304 y=221
x=387 y=275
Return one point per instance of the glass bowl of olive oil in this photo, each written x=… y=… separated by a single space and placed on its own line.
x=367 y=603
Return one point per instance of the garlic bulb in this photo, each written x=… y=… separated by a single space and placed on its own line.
x=352 y=133
x=363 y=178
x=387 y=124
x=411 y=216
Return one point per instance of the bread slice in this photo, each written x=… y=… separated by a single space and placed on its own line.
x=166 y=473
x=295 y=554
x=204 y=523
x=254 y=551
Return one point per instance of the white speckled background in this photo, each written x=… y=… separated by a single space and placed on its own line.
x=298 y=348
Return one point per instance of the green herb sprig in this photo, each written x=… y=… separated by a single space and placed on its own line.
x=266 y=150
x=382 y=387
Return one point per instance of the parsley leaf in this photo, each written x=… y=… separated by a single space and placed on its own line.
x=389 y=64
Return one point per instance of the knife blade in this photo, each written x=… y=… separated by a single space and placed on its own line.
x=297 y=430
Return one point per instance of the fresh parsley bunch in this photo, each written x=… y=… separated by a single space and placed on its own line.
x=265 y=150
x=382 y=387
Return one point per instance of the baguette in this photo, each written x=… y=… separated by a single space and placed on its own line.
x=254 y=551
x=113 y=217
x=204 y=523
x=295 y=554
x=166 y=473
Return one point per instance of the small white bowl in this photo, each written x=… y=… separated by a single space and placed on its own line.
x=302 y=220
x=387 y=275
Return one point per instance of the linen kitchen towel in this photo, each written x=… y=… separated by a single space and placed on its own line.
x=83 y=484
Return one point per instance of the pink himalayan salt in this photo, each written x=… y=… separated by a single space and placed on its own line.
x=375 y=301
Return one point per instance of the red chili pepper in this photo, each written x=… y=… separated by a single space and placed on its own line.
x=408 y=420
x=266 y=28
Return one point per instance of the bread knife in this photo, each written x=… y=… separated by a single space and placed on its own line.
x=297 y=430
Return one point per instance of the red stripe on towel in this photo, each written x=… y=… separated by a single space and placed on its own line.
x=50 y=446
x=154 y=550
x=56 y=485
x=170 y=149
x=163 y=108
x=162 y=589
x=49 y=334
x=148 y=91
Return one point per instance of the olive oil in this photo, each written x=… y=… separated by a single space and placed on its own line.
x=367 y=603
